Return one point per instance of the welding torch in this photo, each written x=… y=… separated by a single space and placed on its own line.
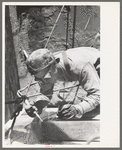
x=31 y=110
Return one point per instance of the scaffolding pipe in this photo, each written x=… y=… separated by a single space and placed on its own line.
x=68 y=9
x=74 y=22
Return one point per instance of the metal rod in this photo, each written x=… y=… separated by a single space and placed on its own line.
x=54 y=26
x=29 y=86
x=53 y=91
x=87 y=24
x=19 y=91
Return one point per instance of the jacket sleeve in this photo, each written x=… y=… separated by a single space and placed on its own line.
x=89 y=81
x=47 y=90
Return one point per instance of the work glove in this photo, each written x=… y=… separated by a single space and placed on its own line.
x=30 y=109
x=67 y=111
x=37 y=105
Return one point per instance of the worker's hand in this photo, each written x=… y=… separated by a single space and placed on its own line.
x=30 y=109
x=37 y=105
x=67 y=111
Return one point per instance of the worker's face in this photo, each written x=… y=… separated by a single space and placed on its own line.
x=47 y=77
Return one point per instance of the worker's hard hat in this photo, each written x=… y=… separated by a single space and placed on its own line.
x=39 y=60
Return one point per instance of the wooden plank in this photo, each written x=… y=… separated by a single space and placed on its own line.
x=57 y=131
x=50 y=114
x=53 y=129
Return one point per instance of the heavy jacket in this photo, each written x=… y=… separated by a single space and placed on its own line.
x=86 y=96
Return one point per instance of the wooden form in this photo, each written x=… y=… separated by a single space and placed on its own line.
x=69 y=130
x=56 y=130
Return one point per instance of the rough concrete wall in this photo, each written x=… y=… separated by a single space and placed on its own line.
x=11 y=72
x=42 y=20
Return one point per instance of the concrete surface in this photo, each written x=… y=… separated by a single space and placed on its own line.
x=22 y=135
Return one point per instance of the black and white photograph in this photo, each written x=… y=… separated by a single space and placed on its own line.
x=53 y=74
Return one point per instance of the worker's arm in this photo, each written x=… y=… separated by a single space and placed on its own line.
x=89 y=80
x=48 y=90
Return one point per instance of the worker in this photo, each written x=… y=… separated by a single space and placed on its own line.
x=68 y=67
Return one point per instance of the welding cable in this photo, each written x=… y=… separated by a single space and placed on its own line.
x=14 y=116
